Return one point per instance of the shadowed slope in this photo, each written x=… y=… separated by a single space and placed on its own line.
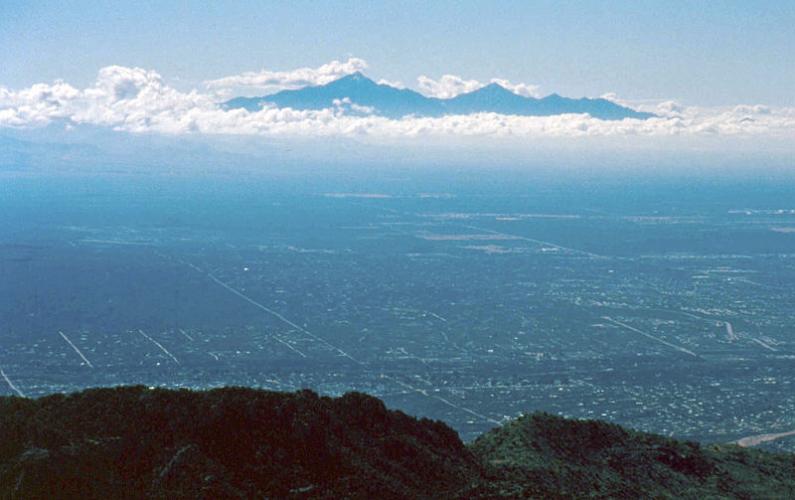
x=134 y=442
x=225 y=443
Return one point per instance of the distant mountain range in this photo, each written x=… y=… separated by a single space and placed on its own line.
x=393 y=102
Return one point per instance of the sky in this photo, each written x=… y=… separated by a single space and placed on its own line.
x=700 y=53
x=706 y=69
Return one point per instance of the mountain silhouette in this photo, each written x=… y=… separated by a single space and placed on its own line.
x=392 y=102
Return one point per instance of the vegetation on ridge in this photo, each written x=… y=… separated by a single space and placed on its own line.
x=243 y=443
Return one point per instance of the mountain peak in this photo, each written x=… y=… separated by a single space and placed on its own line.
x=357 y=79
x=494 y=87
x=358 y=76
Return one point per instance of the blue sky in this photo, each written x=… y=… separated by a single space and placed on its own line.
x=700 y=53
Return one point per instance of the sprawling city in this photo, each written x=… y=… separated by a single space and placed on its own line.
x=472 y=308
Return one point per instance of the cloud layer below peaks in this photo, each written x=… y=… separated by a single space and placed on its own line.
x=138 y=100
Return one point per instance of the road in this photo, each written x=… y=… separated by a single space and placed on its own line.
x=762 y=438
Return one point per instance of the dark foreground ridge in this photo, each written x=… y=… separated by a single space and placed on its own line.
x=245 y=443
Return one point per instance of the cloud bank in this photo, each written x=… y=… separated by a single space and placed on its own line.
x=266 y=80
x=139 y=101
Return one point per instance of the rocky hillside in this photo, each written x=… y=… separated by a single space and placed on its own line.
x=135 y=442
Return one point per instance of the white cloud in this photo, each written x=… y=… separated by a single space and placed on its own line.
x=36 y=105
x=757 y=109
x=451 y=85
x=346 y=104
x=301 y=77
x=391 y=83
x=447 y=86
x=523 y=89
x=138 y=100
x=669 y=108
